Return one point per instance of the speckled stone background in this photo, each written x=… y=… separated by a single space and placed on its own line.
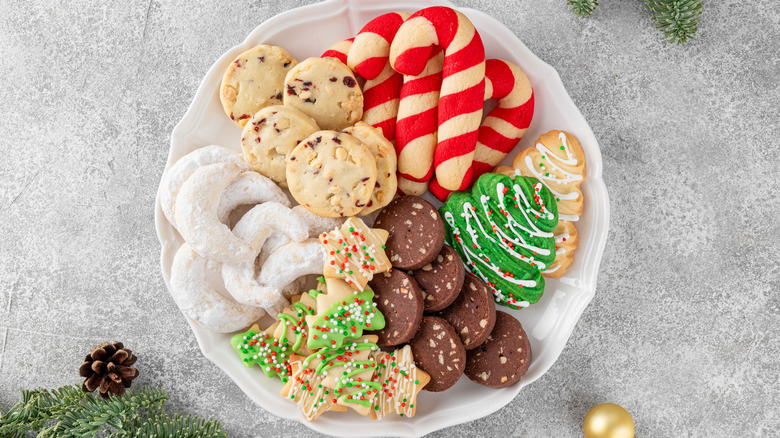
x=684 y=329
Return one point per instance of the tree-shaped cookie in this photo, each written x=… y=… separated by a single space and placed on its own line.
x=343 y=313
x=503 y=232
x=355 y=253
x=401 y=381
x=558 y=161
x=271 y=349
x=346 y=372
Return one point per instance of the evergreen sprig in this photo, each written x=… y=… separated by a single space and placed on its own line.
x=677 y=19
x=68 y=412
x=582 y=8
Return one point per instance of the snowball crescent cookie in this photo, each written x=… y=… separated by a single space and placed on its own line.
x=332 y=174
x=326 y=90
x=384 y=153
x=271 y=134
x=254 y=80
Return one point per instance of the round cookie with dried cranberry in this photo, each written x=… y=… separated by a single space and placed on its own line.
x=441 y=279
x=503 y=358
x=326 y=90
x=416 y=232
x=253 y=81
x=473 y=313
x=400 y=300
x=438 y=351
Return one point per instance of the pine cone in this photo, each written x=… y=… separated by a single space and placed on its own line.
x=107 y=367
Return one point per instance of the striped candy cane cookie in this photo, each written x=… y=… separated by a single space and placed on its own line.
x=506 y=124
x=380 y=94
x=416 y=129
x=462 y=89
x=339 y=50
x=411 y=188
x=371 y=47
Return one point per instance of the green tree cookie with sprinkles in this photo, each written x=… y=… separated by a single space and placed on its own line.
x=343 y=313
x=503 y=231
x=271 y=349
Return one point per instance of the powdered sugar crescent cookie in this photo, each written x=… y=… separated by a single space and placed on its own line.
x=316 y=225
x=332 y=174
x=384 y=153
x=254 y=80
x=271 y=134
x=287 y=264
x=255 y=227
x=249 y=188
x=184 y=167
x=199 y=300
x=196 y=215
x=326 y=90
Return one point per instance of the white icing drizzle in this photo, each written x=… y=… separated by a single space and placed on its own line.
x=561 y=237
x=403 y=387
x=549 y=157
x=470 y=256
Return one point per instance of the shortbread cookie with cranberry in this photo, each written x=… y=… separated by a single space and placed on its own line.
x=332 y=174
x=270 y=136
x=384 y=153
x=253 y=81
x=326 y=90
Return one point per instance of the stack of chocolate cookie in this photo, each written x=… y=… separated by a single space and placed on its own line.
x=449 y=319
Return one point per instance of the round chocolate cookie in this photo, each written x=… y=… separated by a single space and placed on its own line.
x=441 y=279
x=503 y=358
x=437 y=350
x=399 y=298
x=473 y=313
x=416 y=232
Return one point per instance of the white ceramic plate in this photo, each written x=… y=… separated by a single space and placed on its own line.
x=308 y=31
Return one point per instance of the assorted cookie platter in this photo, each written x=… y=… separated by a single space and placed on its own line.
x=297 y=244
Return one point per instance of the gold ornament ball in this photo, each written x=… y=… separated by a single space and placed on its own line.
x=608 y=420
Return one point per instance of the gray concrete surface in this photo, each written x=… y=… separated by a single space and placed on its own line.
x=683 y=330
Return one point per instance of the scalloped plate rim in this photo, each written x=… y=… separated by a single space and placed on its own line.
x=600 y=203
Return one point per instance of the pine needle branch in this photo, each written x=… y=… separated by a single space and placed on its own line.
x=677 y=19
x=68 y=412
x=582 y=8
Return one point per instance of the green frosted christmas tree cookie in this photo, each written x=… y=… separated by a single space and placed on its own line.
x=503 y=231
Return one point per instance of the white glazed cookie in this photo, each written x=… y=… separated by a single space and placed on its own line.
x=384 y=153
x=271 y=134
x=254 y=80
x=332 y=174
x=326 y=90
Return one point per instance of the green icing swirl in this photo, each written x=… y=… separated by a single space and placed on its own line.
x=503 y=231
x=345 y=319
x=335 y=357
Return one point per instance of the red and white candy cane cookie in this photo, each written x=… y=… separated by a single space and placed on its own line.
x=462 y=89
x=371 y=47
x=411 y=188
x=380 y=94
x=505 y=125
x=339 y=50
x=417 y=125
